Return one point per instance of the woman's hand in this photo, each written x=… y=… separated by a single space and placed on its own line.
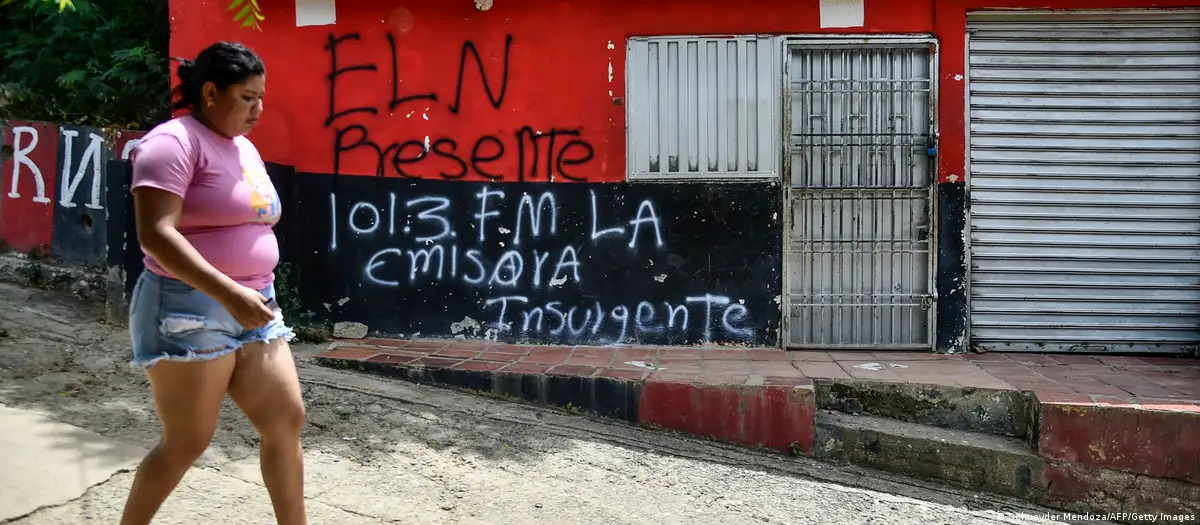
x=247 y=306
x=157 y=212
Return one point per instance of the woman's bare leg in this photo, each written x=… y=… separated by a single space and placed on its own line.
x=188 y=398
x=265 y=386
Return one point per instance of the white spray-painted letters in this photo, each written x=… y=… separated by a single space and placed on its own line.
x=90 y=158
x=21 y=151
x=518 y=255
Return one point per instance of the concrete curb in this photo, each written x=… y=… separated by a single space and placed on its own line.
x=1158 y=438
x=779 y=418
x=984 y=462
x=986 y=410
x=1125 y=497
x=1085 y=454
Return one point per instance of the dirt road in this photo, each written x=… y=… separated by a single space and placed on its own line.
x=381 y=452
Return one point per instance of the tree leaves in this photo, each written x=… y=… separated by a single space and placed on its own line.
x=103 y=64
x=72 y=78
x=249 y=14
x=62 y=4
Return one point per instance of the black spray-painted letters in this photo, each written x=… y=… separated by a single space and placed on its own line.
x=526 y=154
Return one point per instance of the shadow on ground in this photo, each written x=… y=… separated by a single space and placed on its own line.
x=59 y=357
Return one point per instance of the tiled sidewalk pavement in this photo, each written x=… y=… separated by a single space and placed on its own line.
x=710 y=365
x=1102 y=380
x=1051 y=376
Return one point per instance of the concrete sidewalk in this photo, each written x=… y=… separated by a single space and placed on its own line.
x=52 y=473
x=46 y=463
x=1091 y=434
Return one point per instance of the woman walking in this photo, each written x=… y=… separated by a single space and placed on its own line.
x=203 y=319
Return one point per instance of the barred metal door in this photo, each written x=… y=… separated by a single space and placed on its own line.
x=859 y=253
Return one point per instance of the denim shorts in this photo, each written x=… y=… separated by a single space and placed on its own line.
x=169 y=319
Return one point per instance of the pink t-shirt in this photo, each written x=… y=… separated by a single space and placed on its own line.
x=229 y=203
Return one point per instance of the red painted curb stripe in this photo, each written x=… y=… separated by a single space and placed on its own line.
x=772 y=417
x=1151 y=442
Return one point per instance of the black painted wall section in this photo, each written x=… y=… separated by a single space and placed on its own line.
x=952 y=277
x=80 y=231
x=123 y=250
x=651 y=263
x=289 y=228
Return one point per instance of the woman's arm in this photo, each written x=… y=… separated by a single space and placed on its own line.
x=163 y=168
x=157 y=214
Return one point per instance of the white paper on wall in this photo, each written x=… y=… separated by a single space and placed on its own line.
x=315 y=13
x=841 y=13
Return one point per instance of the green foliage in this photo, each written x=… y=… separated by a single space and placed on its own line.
x=288 y=297
x=63 y=4
x=103 y=63
x=248 y=13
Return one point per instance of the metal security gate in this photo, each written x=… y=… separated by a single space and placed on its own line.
x=1085 y=181
x=858 y=253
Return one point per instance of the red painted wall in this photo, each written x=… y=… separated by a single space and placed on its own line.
x=557 y=76
x=27 y=207
x=37 y=222
x=124 y=143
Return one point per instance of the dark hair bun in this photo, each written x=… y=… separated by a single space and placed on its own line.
x=185 y=70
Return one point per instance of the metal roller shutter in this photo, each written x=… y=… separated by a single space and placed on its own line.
x=1085 y=181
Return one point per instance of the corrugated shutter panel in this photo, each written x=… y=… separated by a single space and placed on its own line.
x=1085 y=181
x=703 y=107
